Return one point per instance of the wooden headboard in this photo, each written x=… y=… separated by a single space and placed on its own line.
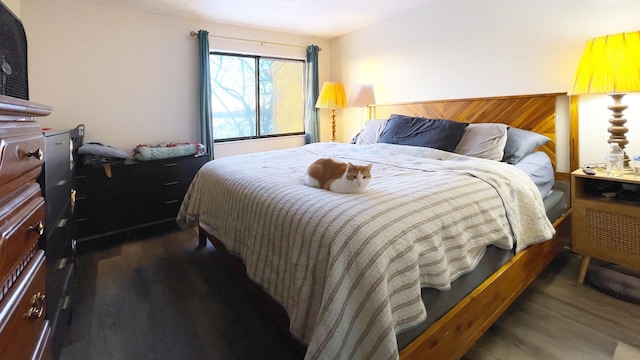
x=529 y=112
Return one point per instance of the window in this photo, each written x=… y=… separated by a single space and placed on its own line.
x=254 y=96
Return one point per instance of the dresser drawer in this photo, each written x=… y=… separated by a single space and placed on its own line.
x=19 y=155
x=94 y=184
x=156 y=188
x=57 y=156
x=23 y=327
x=59 y=234
x=99 y=216
x=175 y=190
x=58 y=196
x=19 y=234
x=180 y=169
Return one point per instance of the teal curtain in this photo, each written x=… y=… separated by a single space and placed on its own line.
x=206 y=124
x=312 y=121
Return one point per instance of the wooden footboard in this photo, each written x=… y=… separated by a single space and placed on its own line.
x=454 y=334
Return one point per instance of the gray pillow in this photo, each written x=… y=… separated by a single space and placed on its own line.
x=370 y=133
x=485 y=140
x=101 y=150
x=538 y=166
x=521 y=143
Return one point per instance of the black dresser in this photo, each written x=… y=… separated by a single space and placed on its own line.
x=57 y=240
x=135 y=195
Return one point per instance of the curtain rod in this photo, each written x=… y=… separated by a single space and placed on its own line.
x=193 y=33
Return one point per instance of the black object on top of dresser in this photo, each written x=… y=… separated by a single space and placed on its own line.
x=14 y=79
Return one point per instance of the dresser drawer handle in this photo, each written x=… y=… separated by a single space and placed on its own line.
x=170 y=164
x=62 y=223
x=39 y=228
x=171 y=183
x=35 y=312
x=37 y=306
x=38 y=154
x=38 y=298
x=171 y=202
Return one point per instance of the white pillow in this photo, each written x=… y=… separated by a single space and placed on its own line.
x=484 y=140
x=370 y=133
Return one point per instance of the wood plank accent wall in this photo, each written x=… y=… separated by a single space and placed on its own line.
x=529 y=112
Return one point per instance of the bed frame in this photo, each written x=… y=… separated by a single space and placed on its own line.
x=451 y=336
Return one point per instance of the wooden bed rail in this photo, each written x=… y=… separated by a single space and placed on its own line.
x=455 y=333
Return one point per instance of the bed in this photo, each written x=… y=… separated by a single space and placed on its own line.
x=356 y=275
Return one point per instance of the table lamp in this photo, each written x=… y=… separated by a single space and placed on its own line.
x=362 y=97
x=332 y=97
x=611 y=65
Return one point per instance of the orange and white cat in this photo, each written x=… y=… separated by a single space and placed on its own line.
x=338 y=176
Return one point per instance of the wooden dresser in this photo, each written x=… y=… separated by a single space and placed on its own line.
x=24 y=328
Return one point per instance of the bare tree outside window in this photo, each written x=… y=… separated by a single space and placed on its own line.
x=255 y=96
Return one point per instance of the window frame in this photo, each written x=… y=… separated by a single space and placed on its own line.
x=256 y=59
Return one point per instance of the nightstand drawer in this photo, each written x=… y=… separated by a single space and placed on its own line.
x=607 y=231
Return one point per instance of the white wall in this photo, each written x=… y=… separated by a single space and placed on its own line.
x=130 y=77
x=469 y=48
x=13 y=5
x=594 y=121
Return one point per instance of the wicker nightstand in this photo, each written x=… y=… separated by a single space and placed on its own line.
x=606 y=219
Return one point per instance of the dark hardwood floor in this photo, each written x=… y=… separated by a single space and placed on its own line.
x=156 y=296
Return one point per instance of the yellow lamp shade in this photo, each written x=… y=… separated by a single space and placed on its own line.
x=332 y=96
x=609 y=64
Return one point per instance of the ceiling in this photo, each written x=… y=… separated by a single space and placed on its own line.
x=324 y=19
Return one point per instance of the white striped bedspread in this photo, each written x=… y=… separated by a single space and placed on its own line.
x=348 y=268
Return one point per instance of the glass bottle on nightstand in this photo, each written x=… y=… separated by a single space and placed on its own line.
x=615 y=160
